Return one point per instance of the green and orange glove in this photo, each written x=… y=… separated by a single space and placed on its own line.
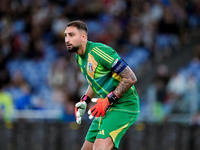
x=80 y=108
x=102 y=105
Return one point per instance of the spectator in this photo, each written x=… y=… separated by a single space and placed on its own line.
x=6 y=105
x=161 y=80
x=176 y=89
x=157 y=101
x=68 y=114
x=20 y=91
x=58 y=76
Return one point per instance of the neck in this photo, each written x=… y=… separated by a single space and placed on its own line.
x=82 y=49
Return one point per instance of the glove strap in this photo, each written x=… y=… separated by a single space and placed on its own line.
x=112 y=97
x=85 y=98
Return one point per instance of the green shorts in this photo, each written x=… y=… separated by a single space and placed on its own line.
x=114 y=125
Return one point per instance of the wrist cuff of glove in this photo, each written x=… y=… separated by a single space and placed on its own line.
x=85 y=98
x=112 y=97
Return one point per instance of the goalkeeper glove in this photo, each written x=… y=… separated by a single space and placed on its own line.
x=102 y=105
x=80 y=108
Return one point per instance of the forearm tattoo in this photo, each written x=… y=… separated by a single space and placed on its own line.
x=128 y=79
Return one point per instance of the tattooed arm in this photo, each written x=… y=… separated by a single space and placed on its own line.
x=128 y=80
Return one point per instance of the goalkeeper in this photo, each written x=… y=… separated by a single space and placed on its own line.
x=112 y=81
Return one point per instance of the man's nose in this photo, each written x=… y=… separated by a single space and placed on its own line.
x=66 y=39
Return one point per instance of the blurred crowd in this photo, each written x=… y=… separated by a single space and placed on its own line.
x=175 y=93
x=37 y=72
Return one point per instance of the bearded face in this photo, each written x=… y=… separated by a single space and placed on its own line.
x=71 y=48
x=72 y=39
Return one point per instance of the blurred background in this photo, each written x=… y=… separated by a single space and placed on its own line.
x=40 y=81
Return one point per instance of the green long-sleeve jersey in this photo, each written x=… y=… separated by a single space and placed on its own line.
x=96 y=65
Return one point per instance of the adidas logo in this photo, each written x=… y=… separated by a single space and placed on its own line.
x=101 y=132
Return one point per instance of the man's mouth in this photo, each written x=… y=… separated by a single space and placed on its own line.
x=69 y=45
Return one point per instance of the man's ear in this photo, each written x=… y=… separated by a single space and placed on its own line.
x=84 y=37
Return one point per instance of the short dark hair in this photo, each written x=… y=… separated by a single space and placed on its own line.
x=78 y=24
